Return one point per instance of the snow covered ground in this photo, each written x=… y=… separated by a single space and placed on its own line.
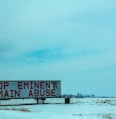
x=56 y=109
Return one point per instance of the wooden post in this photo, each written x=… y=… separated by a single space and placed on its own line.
x=43 y=99
x=37 y=101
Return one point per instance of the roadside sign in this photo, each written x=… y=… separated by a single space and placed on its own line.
x=30 y=89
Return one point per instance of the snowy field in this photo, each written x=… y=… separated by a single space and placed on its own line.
x=56 y=109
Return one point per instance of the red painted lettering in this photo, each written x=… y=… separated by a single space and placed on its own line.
x=6 y=84
x=54 y=84
x=17 y=93
x=6 y=94
x=47 y=92
x=53 y=92
x=12 y=93
x=1 y=93
x=31 y=86
x=36 y=93
x=1 y=85
x=26 y=85
x=47 y=84
x=36 y=85
x=41 y=85
x=42 y=92
x=30 y=93
x=19 y=85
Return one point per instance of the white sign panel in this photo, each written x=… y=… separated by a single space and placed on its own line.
x=30 y=89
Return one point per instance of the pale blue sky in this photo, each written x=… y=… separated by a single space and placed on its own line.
x=69 y=40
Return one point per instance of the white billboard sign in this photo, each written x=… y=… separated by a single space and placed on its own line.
x=30 y=89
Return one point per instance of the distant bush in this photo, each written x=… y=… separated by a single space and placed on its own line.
x=16 y=109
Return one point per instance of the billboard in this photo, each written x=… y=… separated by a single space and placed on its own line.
x=30 y=89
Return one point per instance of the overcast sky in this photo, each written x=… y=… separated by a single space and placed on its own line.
x=69 y=40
